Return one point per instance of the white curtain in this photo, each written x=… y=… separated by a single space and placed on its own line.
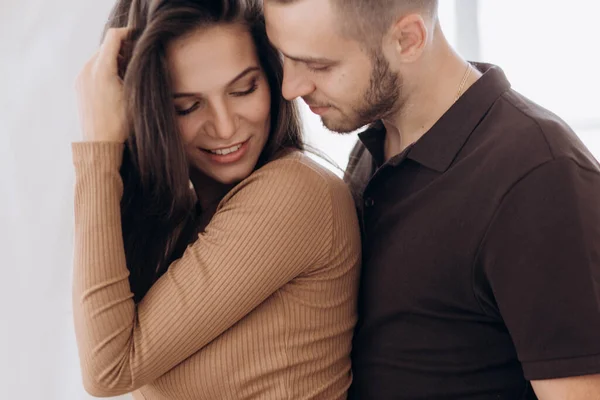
x=43 y=44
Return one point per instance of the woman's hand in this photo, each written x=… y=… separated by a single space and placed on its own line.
x=100 y=93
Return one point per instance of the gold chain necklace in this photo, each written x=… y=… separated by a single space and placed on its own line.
x=464 y=80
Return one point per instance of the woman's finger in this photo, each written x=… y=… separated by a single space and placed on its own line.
x=109 y=50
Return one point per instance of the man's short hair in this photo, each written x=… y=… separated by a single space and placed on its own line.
x=368 y=20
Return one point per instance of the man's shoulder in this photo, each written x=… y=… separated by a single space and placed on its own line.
x=545 y=129
x=359 y=170
x=518 y=135
x=357 y=158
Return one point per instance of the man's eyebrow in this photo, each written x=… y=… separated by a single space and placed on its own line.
x=308 y=60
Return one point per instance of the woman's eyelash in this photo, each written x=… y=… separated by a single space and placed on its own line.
x=191 y=109
x=246 y=92
x=188 y=110
x=317 y=69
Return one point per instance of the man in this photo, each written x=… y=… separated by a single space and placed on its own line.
x=480 y=209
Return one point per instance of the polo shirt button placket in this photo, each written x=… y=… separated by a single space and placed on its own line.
x=368 y=204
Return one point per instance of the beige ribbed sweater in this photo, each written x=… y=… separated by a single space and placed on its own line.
x=261 y=306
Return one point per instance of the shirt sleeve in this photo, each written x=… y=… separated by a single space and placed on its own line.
x=541 y=256
x=274 y=226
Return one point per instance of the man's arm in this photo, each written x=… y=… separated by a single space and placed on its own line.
x=572 y=388
x=541 y=257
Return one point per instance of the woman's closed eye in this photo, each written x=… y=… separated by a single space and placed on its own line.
x=246 y=92
x=318 y=68
x=189 y=109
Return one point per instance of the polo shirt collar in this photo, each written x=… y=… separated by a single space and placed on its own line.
x=439 y=146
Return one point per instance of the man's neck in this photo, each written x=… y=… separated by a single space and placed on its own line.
x=427 y=98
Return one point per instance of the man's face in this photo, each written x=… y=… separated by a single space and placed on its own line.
x=339 y=80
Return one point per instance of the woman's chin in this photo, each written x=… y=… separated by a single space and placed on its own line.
x=231 y=177
x=221 y=174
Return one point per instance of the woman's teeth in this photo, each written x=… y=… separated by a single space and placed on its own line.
x=229 y=150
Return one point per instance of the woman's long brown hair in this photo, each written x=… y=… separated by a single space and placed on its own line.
x=159 y=210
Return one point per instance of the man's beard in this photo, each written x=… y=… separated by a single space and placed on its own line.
x=381 y=99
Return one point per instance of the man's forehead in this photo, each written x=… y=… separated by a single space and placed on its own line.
x=300 y=16
x=305 y=29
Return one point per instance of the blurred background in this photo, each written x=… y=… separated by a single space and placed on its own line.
x=548 y=50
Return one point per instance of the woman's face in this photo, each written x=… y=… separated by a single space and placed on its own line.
x=222 y=100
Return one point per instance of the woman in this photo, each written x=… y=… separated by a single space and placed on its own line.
x=242 y=287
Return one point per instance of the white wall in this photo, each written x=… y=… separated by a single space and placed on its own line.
x=43 y=44
x=549 y=52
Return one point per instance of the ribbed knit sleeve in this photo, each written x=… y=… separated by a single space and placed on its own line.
x=271 y=228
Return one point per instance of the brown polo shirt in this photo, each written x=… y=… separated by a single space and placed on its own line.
x=481 y=262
